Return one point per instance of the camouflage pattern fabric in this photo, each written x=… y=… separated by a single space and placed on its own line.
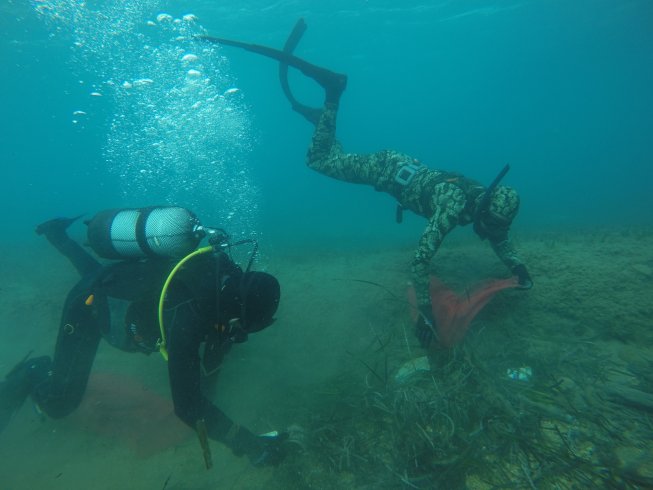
x=445 y=199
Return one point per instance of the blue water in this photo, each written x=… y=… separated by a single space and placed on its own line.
x=560 y=90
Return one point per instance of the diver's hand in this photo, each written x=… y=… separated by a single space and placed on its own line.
x=523 y=277
x=425 y=327
x=271 y=451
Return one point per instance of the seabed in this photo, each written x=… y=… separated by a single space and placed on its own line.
x=580 y=417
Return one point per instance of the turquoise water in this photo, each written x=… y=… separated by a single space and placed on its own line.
x=111 y=104
x=560 y=90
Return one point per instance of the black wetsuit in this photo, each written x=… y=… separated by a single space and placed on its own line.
x=192 y=315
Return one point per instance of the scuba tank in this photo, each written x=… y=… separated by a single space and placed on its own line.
x=158 y=231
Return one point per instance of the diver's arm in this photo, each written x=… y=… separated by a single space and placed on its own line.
x=184 y=338
x=183 y=341
x=506 y=252
x=508 y=255
x=448 y=202
x=429 y=243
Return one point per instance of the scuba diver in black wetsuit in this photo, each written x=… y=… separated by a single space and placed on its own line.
x=203 y=299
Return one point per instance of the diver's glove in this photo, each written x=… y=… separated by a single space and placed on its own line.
x=271 y=451
x=523 y=277
x=263 y=450
x=425 y=327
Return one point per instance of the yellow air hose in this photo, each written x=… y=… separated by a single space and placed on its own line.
x=162 y=341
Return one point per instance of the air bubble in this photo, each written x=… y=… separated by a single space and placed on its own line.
x=189 y=58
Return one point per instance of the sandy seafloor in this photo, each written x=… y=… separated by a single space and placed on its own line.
x=593 y=299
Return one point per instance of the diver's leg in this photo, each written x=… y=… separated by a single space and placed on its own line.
x=55 y=231
x=82 y=323
x=58 y=386
x=323 y=145
x=326 y=156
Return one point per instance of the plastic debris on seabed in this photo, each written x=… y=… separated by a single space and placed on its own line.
x=411 y=367
x=520 y=374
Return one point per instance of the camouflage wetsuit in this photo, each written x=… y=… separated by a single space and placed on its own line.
x=446 y=199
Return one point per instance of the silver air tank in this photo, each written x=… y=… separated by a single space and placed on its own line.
x=159 y=231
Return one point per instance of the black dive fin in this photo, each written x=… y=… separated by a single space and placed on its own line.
x=312 y=114
x=56 y=225
x=326 y=78
x=333 y=83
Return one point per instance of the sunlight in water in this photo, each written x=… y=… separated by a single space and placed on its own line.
x=178 y=130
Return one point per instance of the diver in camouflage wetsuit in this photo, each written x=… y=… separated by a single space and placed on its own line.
x=445 y=199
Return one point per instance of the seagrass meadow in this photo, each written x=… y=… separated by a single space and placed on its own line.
x=329 y=371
